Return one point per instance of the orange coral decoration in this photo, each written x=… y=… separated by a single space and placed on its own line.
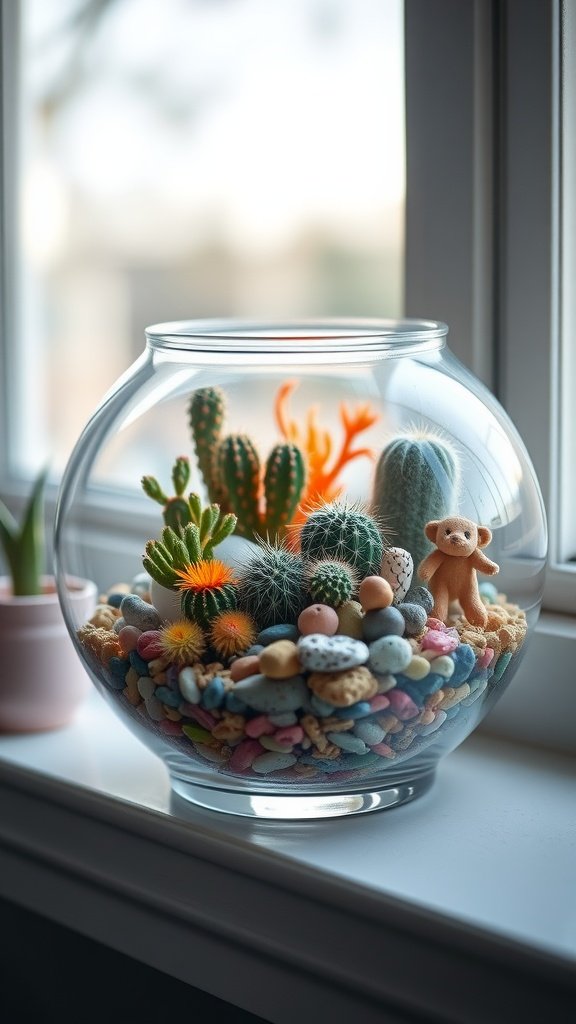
x=317 y=447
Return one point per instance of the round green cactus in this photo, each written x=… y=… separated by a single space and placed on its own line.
x=344 y=533
x=202 y=606
x=271 y=586
x=331 y=582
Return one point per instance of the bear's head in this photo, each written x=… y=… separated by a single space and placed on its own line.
x=457 y=536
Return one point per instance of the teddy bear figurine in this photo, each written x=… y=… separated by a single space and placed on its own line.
x=451 y=569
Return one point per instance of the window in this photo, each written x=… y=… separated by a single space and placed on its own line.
x=190 y=159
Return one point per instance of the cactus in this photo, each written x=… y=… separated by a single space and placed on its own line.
x=331 y=582
x=416 y=481
x=344 y=533
x=175 y=510
x=264 y=500
x=208 y=588
x=239 y=470
x=271 y=586
x=283 y=485
x=187 y=545
x=206 y=411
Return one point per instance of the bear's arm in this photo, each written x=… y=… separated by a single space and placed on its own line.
x=479 y=561
x=430 y=564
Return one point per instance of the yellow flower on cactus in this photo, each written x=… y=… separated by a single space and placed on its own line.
x=207 y=574
x=183 y=641
x=232 y=632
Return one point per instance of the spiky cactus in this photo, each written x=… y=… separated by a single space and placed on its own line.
x=345 y=533
x=206 y=411
x=271 y=586
x=416 y=480
x=331 y=582
x=208 y=589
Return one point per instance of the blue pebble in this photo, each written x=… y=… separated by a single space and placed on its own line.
x=138 y=663
x=234 y=704
x=348 y=741
x=480 y=675
x=255 y=649
x=488 y=591
x=502 y=664
x=214 y=694
x=464 y=661
x=283 y=631
x=359 y=710
x=115 y=599
x=167 y=696
x=351 y=761
x=137 y=612
x=382 y=622
x=452 y=712
x=423 y=687
x=118 y=667
x=321 y=707
x=390 y=654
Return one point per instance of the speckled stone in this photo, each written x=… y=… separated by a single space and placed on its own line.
x=319 y=653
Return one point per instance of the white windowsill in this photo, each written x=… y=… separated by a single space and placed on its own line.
x=477 y=877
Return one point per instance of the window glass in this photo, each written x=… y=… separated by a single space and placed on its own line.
x=195 y=158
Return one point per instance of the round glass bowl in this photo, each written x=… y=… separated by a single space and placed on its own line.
x=255 y=502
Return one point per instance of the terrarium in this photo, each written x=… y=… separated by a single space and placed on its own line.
x=320 y=550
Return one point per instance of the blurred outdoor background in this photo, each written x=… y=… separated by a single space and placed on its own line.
x=196 y=158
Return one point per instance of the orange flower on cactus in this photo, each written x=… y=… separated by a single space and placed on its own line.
x=232 y=632
x=207 y=574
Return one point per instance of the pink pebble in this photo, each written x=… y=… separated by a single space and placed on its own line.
x=128 y=639
x=149 y=646
x=290 y=735
x=244 y=667
x=318 y=618
x=402 y=705
x=244 y=754
x=171 y=728
x=434 y=640
x=435 y=624
x=485 y=658
x=379 y=702
x=383 y=749
x=375 y=593
x=260 y=726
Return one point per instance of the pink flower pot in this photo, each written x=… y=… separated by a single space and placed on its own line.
x=42 y=681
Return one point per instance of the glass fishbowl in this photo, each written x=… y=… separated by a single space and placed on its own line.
x=320 y=551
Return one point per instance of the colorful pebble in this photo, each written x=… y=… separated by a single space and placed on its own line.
x=319 y=653
x=390 y=654
x=279 y=660
x=383 y=622
x=137 y=612
x=375 y=593
x=318 y=618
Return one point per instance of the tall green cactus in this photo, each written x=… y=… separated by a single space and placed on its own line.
x=264 y=498
x=239 y=471
x=345 y=533
x=206 y=411
x=416 y=480
x=283 y=485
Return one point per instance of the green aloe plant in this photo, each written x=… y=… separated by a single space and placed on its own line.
x=23 y=543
